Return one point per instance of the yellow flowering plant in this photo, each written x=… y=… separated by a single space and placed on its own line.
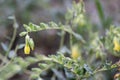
x=76 y=62
x=82 y=58
x=112 y=40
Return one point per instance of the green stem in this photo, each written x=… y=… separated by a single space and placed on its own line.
x=13 y=39
x=71 y=41
x=100 y=11
x=62 y=39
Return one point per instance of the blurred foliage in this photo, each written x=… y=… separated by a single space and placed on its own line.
x=86 y=55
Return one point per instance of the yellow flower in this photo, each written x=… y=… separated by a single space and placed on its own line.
x=27 y=49
x=116 y=45
x=75 y=52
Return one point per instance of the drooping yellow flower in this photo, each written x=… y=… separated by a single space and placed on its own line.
x=29 y=44
x=27 y=49
x=116 y=45
x=75 y=52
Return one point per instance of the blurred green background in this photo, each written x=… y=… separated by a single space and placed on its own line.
x=36 y=11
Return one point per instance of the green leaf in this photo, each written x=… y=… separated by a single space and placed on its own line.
x=79 y=37
x=8 y=71
x=31 y=43
x=52 y=24
x=100 y=11
x=31 y=59
x=34 y=27
x=88 y=69
x=44 y=26
x=34 y=76
x=38 y=70
x=23 y=33
x=28 y=29
x=31 y=26
x=42 y=65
